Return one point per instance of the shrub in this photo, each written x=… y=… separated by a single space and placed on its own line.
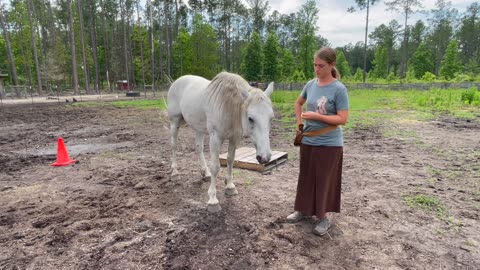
x=428 y=76
x=470 y=96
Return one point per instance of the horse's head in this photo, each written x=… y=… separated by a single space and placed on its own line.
x=257 y=121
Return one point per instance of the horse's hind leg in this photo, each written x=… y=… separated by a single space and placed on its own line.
x=174 y=125
x=230 y=189
x=201 y=157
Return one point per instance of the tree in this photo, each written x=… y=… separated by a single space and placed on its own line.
x=252 y=65
x=287 y=65
x=271 y=70
x=421 y=61
x=205 y=49
x=342 y=65
x=385 y=36
x=417 y=36
x=305 y=30
x=72 y=45
x=364 y=4
x=34 y=48
x=407 y=7
x=183 y=54
x=82 y=42
x=259 y=10
x=11 y=59
x=442 y=25
x=380 y=70
x=469 y=38
x=450 y=63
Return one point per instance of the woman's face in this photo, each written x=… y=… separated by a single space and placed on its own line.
x=321 y=67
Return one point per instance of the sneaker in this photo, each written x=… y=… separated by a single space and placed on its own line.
x=295 y=217
x=322 y=227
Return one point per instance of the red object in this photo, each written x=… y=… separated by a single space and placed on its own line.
x=62 y=155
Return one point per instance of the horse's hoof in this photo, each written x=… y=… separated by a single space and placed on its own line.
x=213 y=208
x=175 y=173
x=207 y=178
x=231 y=191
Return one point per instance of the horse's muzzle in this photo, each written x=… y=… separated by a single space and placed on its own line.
x=263 y=160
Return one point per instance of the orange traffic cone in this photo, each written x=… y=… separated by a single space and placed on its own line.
x=62 y=155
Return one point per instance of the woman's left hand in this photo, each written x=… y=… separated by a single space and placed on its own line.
x=309 y=115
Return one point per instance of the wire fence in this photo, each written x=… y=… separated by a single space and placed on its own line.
x=24 y=94
x=27 y=94
x=390 y=86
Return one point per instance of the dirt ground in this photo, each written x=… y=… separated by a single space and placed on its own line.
x=119 y=208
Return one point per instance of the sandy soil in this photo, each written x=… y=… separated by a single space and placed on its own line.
x=118 y=207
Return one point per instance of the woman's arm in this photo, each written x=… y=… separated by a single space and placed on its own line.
x=298 y=109
x=339 y=119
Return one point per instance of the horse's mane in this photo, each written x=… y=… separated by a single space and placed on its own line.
x=229 y=95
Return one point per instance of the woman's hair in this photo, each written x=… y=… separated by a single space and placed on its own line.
x=330 y=56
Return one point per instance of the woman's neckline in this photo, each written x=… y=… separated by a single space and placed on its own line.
x=325 y=83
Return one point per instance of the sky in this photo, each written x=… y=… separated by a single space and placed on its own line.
x=340 y=27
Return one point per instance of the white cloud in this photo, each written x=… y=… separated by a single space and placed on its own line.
x=341 y=27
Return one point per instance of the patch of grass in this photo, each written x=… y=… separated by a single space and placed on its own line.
x=137 y=103
x=429 y=203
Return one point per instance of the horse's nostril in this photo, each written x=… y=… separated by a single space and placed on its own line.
x=262 y=160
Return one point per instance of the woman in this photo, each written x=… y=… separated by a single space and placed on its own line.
x=321 y=157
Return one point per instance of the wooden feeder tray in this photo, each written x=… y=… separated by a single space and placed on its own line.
x=246 y=158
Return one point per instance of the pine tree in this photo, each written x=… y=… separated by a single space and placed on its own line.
x=253 y=59
x=421 y=61
x=271 y=68
x=450 y=63
x=342 y=65
x=380 y=69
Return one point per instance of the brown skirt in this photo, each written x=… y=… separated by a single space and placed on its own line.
x=320 y=180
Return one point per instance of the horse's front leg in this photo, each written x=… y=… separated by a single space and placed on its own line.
x=215 y=143
x=201 y=157
x=230 y=189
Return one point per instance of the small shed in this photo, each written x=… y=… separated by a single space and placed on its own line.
x=124 y=85
x=2 y=76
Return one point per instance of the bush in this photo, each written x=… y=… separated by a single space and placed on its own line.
x=470 y=96
x=298 y=76
x=463 y=78
x=428 y=76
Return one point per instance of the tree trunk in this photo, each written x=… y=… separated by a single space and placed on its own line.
x=13 y=68
x=160 y=45
x=365 y=45
x=82 y=41
x=72 y=40
x=105 y=44
x=152 y=45
x=125 y=49
x=141 y=53
x=167 y=37
x=34 y=48
x=93 y=37
x=403 y=65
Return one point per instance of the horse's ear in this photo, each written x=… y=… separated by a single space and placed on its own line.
x=270 y=89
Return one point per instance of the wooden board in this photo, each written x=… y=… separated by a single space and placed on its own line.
x=246 y=158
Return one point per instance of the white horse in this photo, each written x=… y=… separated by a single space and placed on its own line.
x=225 y=108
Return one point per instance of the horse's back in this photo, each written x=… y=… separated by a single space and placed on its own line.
x=185 y=99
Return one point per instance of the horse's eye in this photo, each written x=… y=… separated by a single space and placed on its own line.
x=250 y=119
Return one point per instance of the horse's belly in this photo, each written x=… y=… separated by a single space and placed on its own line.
x=193 y=113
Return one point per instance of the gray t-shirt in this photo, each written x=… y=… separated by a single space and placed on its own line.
x=327 y=99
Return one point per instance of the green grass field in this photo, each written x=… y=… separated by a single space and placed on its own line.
x=369 y=107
